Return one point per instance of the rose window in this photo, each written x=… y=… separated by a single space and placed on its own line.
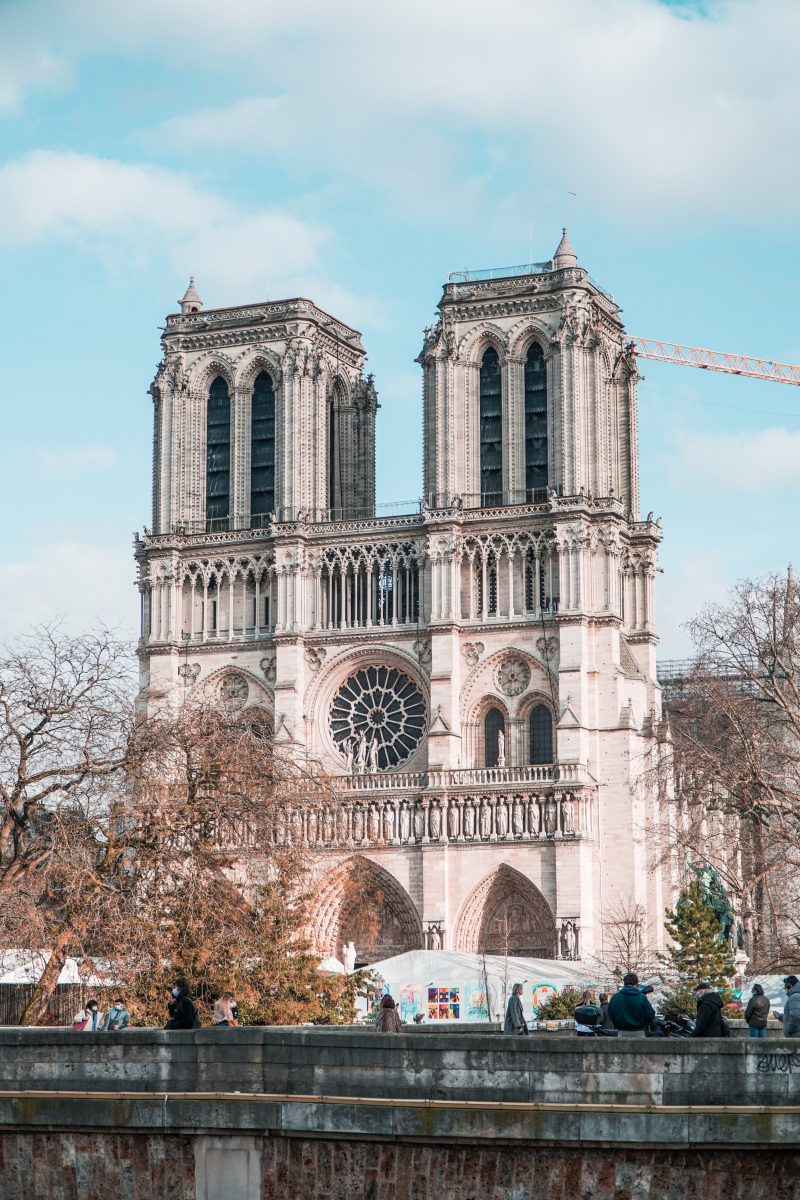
x=377 y=719
x=234 y=690
x=513 y=675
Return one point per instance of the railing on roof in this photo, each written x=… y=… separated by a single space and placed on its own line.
x=669 y=670
x=533 y=268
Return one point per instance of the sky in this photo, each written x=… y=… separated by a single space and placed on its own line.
x=356 y=153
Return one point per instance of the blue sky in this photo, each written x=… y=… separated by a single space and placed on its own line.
x=357 y=153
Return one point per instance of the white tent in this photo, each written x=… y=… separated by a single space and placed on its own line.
x=26 y=966
x=447 y=985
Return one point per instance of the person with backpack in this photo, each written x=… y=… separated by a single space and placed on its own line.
x=587 y=1015
x=629 y=1009
x=757 y=1012
x=710 y=1021
x=117 y=1017
x=182 y=1010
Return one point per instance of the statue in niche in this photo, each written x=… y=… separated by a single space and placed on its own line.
x=501 y=748
x=435 y=822
x=569 y=939
x=501 y=819
x=280 y=828
x=405 y=823
x=373 y=756
x=350 y=753
x=373 y=824
x=361 y=753
x=533 y=818
x=567 y=815
x=469 y=820
x=419 y=822
x=517 y=817
x=388 y=823
x=327 y=826
x=486 y=819
x=342 y=824
x=358 y=823
x=435 y=938
x=452 y=821
x=550 y=815
x=312 y=825
x=297 y=827
x=349 y=958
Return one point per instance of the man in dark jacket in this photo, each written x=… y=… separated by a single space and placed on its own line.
x=791 y=1011
x=629 y=1010
x=710 y=1022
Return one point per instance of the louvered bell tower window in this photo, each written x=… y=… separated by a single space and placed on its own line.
x=262 y=448
x=491 y=423
x=535 y=422
x=218 y=454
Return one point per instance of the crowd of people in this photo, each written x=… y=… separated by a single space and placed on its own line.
x=181 y=1009
x=629 y=1013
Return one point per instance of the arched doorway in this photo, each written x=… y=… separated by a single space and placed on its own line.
x=362 y=903
x=506 y=914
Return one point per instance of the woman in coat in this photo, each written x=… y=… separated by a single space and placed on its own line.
x=757 y=1012
x=515 y=1022
x=226 y=1011
x=388 y=1017
x=87 y=1019
x=182 y=1012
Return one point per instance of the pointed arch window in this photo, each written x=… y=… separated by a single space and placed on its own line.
x=262 y=447
x=541 y=735
x=491 y=429
x=535 y=420
x=493 y=725
x=218 y=453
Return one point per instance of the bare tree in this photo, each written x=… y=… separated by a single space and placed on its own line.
x=166 y=843
x=735 y=729
x=626 y=945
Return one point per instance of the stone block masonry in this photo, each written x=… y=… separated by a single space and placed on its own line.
x=344 y=1114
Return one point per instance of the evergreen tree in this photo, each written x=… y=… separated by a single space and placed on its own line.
x=700 y=951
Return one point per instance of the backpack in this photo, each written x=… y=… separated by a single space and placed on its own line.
x=587 y=1014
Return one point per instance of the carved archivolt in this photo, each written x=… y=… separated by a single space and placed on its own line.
x=484 y=680
x=361 y=902
x=505 y=913
x=218 y=684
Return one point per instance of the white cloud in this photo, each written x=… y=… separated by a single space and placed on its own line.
x=81 y=582
x=26 y=63
x=130 y=214
x=640 y=107
x=755 y=463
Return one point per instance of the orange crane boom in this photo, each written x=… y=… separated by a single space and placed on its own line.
x=715 y=360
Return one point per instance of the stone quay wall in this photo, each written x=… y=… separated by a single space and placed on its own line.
x=252 y=1114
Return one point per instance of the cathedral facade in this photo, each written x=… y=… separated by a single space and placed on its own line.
x=478 y=676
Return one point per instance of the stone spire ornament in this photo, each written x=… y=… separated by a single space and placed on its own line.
x=191 y=302
x=564 y=256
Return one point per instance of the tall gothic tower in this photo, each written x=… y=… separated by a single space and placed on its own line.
x=479 y=675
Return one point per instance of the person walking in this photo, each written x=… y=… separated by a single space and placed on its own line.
x=182 y=1011
x=605 y=1018
x=87 y=1019
x=791 y=1010
x=630 y=1011
x=388 y=1017
x=515 y=1022
x=117 y=1017
x=757 y=1012
x=226 y=1010
x=710 y=1021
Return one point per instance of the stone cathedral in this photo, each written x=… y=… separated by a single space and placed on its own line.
x=478 y=675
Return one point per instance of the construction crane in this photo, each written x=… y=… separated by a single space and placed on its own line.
x=715 y=360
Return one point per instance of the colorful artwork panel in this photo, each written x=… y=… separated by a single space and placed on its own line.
x=444 y=1004
x=541 y=993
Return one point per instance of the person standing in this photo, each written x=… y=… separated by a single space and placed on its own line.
x=791 y=1010
x=605 y=1019
x=182 y=1011
x=388 y=1020
x=226 y=1010
x=757 y=1012
x=710 y=1021
x=630 y=1011
x=117 y=1017
x=87 y=1019
x=515 y=1022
